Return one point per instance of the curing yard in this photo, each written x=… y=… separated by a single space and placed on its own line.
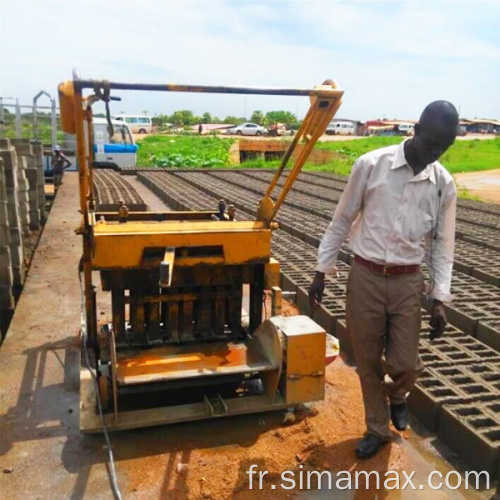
x=455 y=422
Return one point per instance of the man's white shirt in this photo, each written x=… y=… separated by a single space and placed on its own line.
x=395 y=217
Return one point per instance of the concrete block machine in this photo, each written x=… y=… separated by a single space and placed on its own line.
x=187 y=339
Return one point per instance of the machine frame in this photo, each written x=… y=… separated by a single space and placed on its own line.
x=195 y=255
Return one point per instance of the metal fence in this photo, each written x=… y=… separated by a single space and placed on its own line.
x=30 y=121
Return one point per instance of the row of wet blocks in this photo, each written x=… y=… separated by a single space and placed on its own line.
x=22 y=210
x=110 y=188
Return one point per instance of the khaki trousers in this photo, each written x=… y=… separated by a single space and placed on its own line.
x=383 y=319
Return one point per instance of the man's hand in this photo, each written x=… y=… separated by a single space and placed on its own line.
x=438 y=320
x=316 y=290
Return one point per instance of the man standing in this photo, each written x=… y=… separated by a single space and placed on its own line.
x=396 y=198
x=60 y=163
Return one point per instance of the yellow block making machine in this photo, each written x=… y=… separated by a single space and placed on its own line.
x=187 y=339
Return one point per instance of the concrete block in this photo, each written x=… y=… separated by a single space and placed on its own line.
x=489 y=333
x=475 y=436
x=428 y=396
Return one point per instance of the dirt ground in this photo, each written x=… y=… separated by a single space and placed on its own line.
x=485 y=184
x=43 y=454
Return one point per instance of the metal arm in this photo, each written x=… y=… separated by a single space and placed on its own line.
x=325 y=101
x=318 y=117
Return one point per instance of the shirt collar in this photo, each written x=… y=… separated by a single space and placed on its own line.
x=400 y=161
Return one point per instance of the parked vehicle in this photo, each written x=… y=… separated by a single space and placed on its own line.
x=246 y=129
x=109 y=152
x=389 y=130
x=406 y=128
x=117 y=151
x=138 y=124
x=340 y=128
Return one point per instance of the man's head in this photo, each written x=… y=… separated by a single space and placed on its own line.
x=57 y=150
x=436 y=131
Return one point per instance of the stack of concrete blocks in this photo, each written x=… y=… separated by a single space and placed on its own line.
x=6 y=279
x=8 y=154
x=23 y=188
x=40 y=178
x=25 y=150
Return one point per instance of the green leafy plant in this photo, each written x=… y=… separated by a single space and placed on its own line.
x=184 y=151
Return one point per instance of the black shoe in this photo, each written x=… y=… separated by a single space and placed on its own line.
x=399 y=416
x=368 y=447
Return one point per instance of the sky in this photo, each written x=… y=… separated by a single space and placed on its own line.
x=390 y=57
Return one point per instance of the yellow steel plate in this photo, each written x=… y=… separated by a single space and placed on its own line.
x=178 y=362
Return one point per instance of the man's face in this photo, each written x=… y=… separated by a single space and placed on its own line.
x=432 y=140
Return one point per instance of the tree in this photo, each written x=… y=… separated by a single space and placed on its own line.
x=177 y=119
x=206 y=118
x=257 y=117
x=233 y=120
x=286 y=117
x=183 y=117
x=160 y=120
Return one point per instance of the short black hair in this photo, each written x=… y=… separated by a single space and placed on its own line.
x=442 y=111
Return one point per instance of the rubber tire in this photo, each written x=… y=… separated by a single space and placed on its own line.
x=239 y=132
x=142 y=131
x=258 y=133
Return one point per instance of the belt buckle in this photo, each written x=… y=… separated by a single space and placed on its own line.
x=386 y=270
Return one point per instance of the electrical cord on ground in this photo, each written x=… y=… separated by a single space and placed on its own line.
x=83 y=321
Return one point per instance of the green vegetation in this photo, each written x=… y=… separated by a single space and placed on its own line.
x=286 y=117
x=183 y=151
x=194 y=151
x=472 y=156
x=463 y=156
x=463 y=192
x=43 y=124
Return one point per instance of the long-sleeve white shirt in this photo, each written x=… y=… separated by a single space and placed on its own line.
x=396 y=217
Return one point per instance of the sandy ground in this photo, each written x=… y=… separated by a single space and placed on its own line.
x=485 y=184
x=43 y=455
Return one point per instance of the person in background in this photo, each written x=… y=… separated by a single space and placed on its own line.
x=60 y=163
x=396 y=198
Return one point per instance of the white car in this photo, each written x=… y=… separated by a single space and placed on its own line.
x=247 y=129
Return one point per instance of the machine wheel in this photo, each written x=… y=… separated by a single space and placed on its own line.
x=105 y=393
x=142 y=131
x=258 y=133
x=238 y=132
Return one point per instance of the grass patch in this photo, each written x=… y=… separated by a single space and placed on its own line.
x=463 y=192
x=357 y=147
x=472 y=156
x=178 y=151
x=463 y=156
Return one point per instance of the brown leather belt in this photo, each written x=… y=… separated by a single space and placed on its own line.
x=387 y=270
